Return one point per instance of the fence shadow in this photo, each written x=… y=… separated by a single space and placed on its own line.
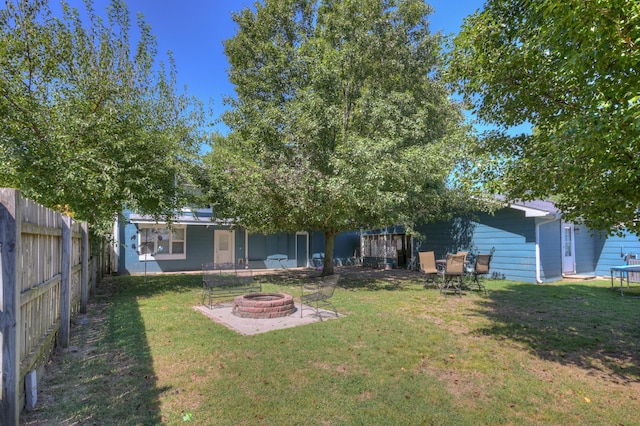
x=102 y=383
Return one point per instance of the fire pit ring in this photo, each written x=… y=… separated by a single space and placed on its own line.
x=263 y=305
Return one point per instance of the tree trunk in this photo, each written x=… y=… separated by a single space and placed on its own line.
x=329 y=243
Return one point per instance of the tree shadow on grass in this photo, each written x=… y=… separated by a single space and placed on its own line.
x=585 y=325
x=106 y=373
x=358 y=277
x=351 y=278
x=157 y=284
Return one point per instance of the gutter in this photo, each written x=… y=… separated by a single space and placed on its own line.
x=553 y=218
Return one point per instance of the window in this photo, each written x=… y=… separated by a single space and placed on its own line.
x=162 y=243
x=568 y=249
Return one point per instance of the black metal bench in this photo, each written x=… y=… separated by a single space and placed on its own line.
x=221 y=280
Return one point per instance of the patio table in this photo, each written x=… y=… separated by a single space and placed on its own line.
x=621 y=272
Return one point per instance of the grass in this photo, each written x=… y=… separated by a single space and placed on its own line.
x=525 y=354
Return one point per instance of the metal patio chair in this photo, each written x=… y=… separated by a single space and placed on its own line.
x=481 y=268
x=428 y=267
x=318 y=293
x=210 y=274
x=453 y=273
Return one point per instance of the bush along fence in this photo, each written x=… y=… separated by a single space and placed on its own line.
x=45 y=280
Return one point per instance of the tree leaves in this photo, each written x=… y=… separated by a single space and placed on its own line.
x=87 y=123
x=340 y=120
x=569 y=68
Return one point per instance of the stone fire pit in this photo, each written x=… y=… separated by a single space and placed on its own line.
x=263 y=305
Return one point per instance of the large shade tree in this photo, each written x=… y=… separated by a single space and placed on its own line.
x=571 y=69
x=89 y=123
x=340 y=120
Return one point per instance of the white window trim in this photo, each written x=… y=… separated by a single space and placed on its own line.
x=147 y=257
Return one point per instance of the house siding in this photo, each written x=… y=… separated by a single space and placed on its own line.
x=508 y=231
x=346 y=244
x=513 y=237
x=199 y=250
x=550 y=250
x=611 y=251
x=239 y=249
x=200 y=247
x=585 y=243
x=262 y=246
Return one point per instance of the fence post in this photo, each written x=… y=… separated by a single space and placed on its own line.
x=84 y=277
x=10 y=249
x=94 y=273
x=101 y=260
x=65 y=283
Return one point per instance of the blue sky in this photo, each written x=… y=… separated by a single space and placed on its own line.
x=195 y=29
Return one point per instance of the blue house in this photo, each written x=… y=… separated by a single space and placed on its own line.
x=143 y=245
x=531 y=243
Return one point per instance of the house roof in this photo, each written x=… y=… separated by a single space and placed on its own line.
x=537 y=208
x=185 y=218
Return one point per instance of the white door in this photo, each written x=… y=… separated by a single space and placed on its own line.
x=223 y=243
x=568 y=249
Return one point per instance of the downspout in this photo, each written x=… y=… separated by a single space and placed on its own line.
x=538 y=225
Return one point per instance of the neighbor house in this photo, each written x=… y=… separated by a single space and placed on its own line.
x=142 y=245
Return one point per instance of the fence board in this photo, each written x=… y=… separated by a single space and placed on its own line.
x=10 y=223
x=44 y=263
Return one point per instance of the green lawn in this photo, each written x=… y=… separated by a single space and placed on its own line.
x=564 y=353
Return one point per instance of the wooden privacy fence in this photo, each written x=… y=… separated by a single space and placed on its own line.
x=44 y=258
